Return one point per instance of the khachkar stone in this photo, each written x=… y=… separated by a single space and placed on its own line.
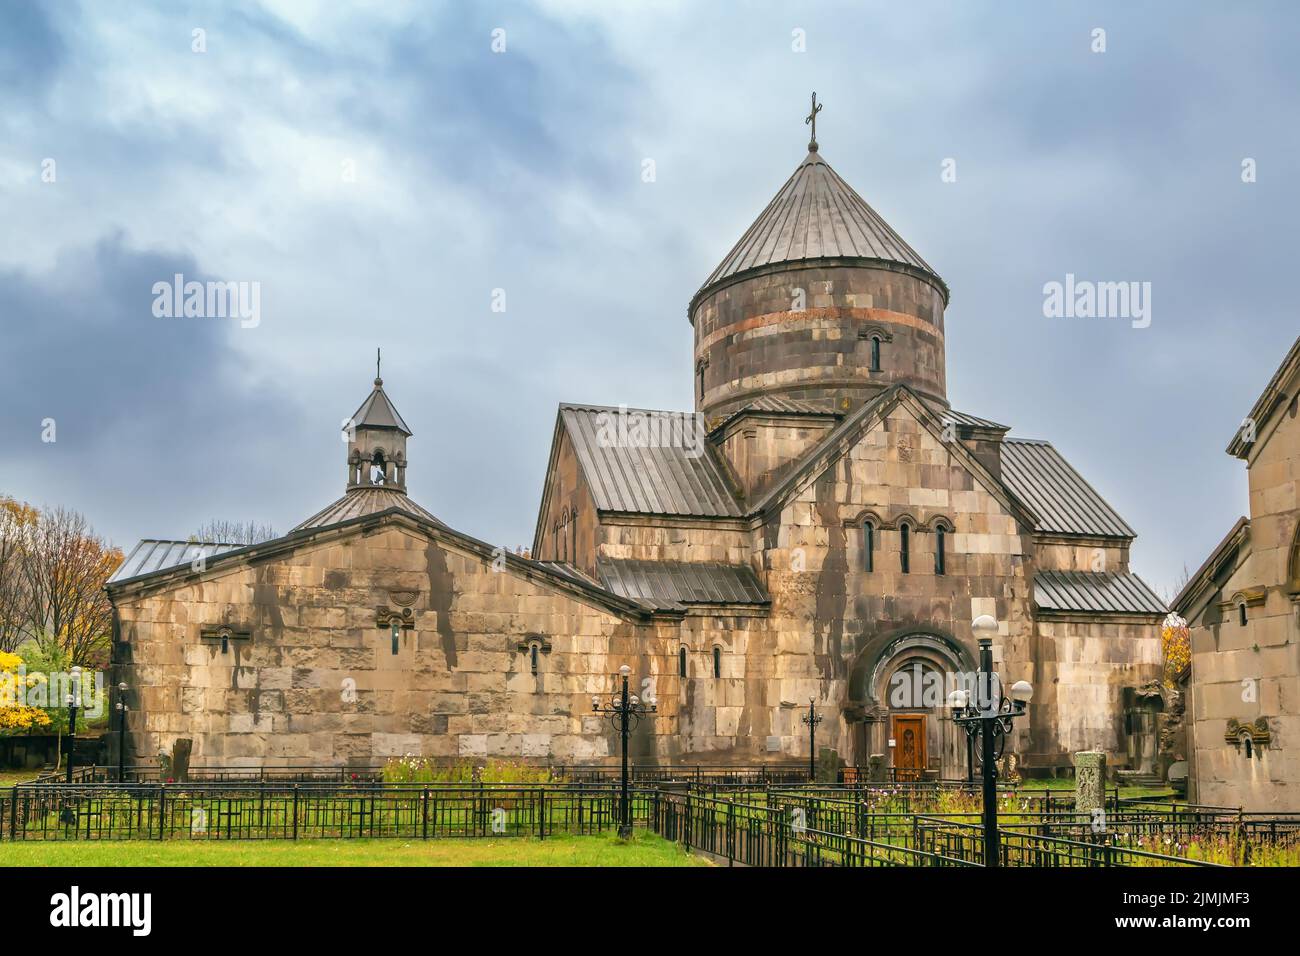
x=1089 y=781
x=828 y=765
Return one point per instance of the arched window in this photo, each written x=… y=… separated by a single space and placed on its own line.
x=1241 y=613
x=905 y=547
x=940 y=548
x=875 y=353
x=532 y=657
x=868 y=546
x=378 y=468
x=681 y=662
x=717 y=661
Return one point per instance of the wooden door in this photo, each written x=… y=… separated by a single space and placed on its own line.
x=909 y=746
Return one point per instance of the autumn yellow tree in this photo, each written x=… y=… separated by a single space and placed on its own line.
x=17 y=523
x=65 y=568
x=15 y=715
x=1175 y=639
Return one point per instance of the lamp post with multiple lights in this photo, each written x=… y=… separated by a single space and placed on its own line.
x=121 y=732
x=986 y=715
x=624 y=711
x=73 y=701
x=812 y=719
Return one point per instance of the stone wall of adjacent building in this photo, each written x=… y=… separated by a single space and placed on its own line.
x=1251 y=673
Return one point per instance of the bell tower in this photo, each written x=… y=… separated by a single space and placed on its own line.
x=376 y=437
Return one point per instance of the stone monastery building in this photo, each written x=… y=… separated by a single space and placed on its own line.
x=824 y=526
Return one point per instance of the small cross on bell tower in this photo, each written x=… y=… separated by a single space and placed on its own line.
x=376 y=437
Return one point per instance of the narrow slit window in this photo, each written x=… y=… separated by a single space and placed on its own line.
x=532 y=657
x=1241 y=614
x=875 y=353
x=868 y=546
x=904 y=548
x=940 y=549
x=681 y=662
x=717 y=662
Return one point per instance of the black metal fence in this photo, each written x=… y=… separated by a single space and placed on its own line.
x=272 y=811
x=917 y=824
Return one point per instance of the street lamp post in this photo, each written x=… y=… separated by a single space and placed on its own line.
x=121 y=732
x=987 y=715
x=624 y=712
x=73 y=701
x=812 y=719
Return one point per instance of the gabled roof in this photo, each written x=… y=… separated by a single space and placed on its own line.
x=1095 y=592
x=841 y=438
x=816 y=215
x=162 y=575
x=365 y=501
x=672 y=585
x=377 y=411
x=771 y=405
x=676 y=473
x=1272 y=398
x=1036 y=473
x=153 y=554
x=962 y=418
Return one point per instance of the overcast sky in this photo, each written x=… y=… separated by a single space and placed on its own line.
x=380 y=170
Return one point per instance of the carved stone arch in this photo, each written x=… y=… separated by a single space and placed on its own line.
x=906 y=518
x=875 y=332
x=863 y=516
x=941 y=521
x=865 y=690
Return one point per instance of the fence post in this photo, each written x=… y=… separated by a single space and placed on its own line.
x=541 y=814
x=295 y=811
x=13 y=813
x=162 y=808
x=424 y=814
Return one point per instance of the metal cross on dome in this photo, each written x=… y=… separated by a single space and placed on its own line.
x=811 y=120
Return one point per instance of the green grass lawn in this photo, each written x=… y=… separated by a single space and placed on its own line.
x=10 y=777
x=645 y=849
x=1063 y=783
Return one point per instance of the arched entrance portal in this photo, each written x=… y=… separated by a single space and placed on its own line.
x=897 y=703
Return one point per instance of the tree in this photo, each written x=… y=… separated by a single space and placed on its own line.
x=15 y=715
x=17 y=520
x=65 y=568
x=219 y=531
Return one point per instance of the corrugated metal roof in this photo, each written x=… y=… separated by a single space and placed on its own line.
x=775 y=405
x=962 y=418
x=1093 y=591
x=656 y=476
x=364 y=501
x=671 y=585
x=569 y=571
x=817 y=215
x=377 y=411
x=1036 y=473
x=153 y=554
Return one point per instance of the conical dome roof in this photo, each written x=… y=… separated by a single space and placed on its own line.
x=817 y=215
x=377 y=411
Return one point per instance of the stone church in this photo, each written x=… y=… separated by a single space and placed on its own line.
x=823 y=527
x=1242 y=607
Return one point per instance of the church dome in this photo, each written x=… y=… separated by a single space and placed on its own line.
x=817 y=215
x=820 y=300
